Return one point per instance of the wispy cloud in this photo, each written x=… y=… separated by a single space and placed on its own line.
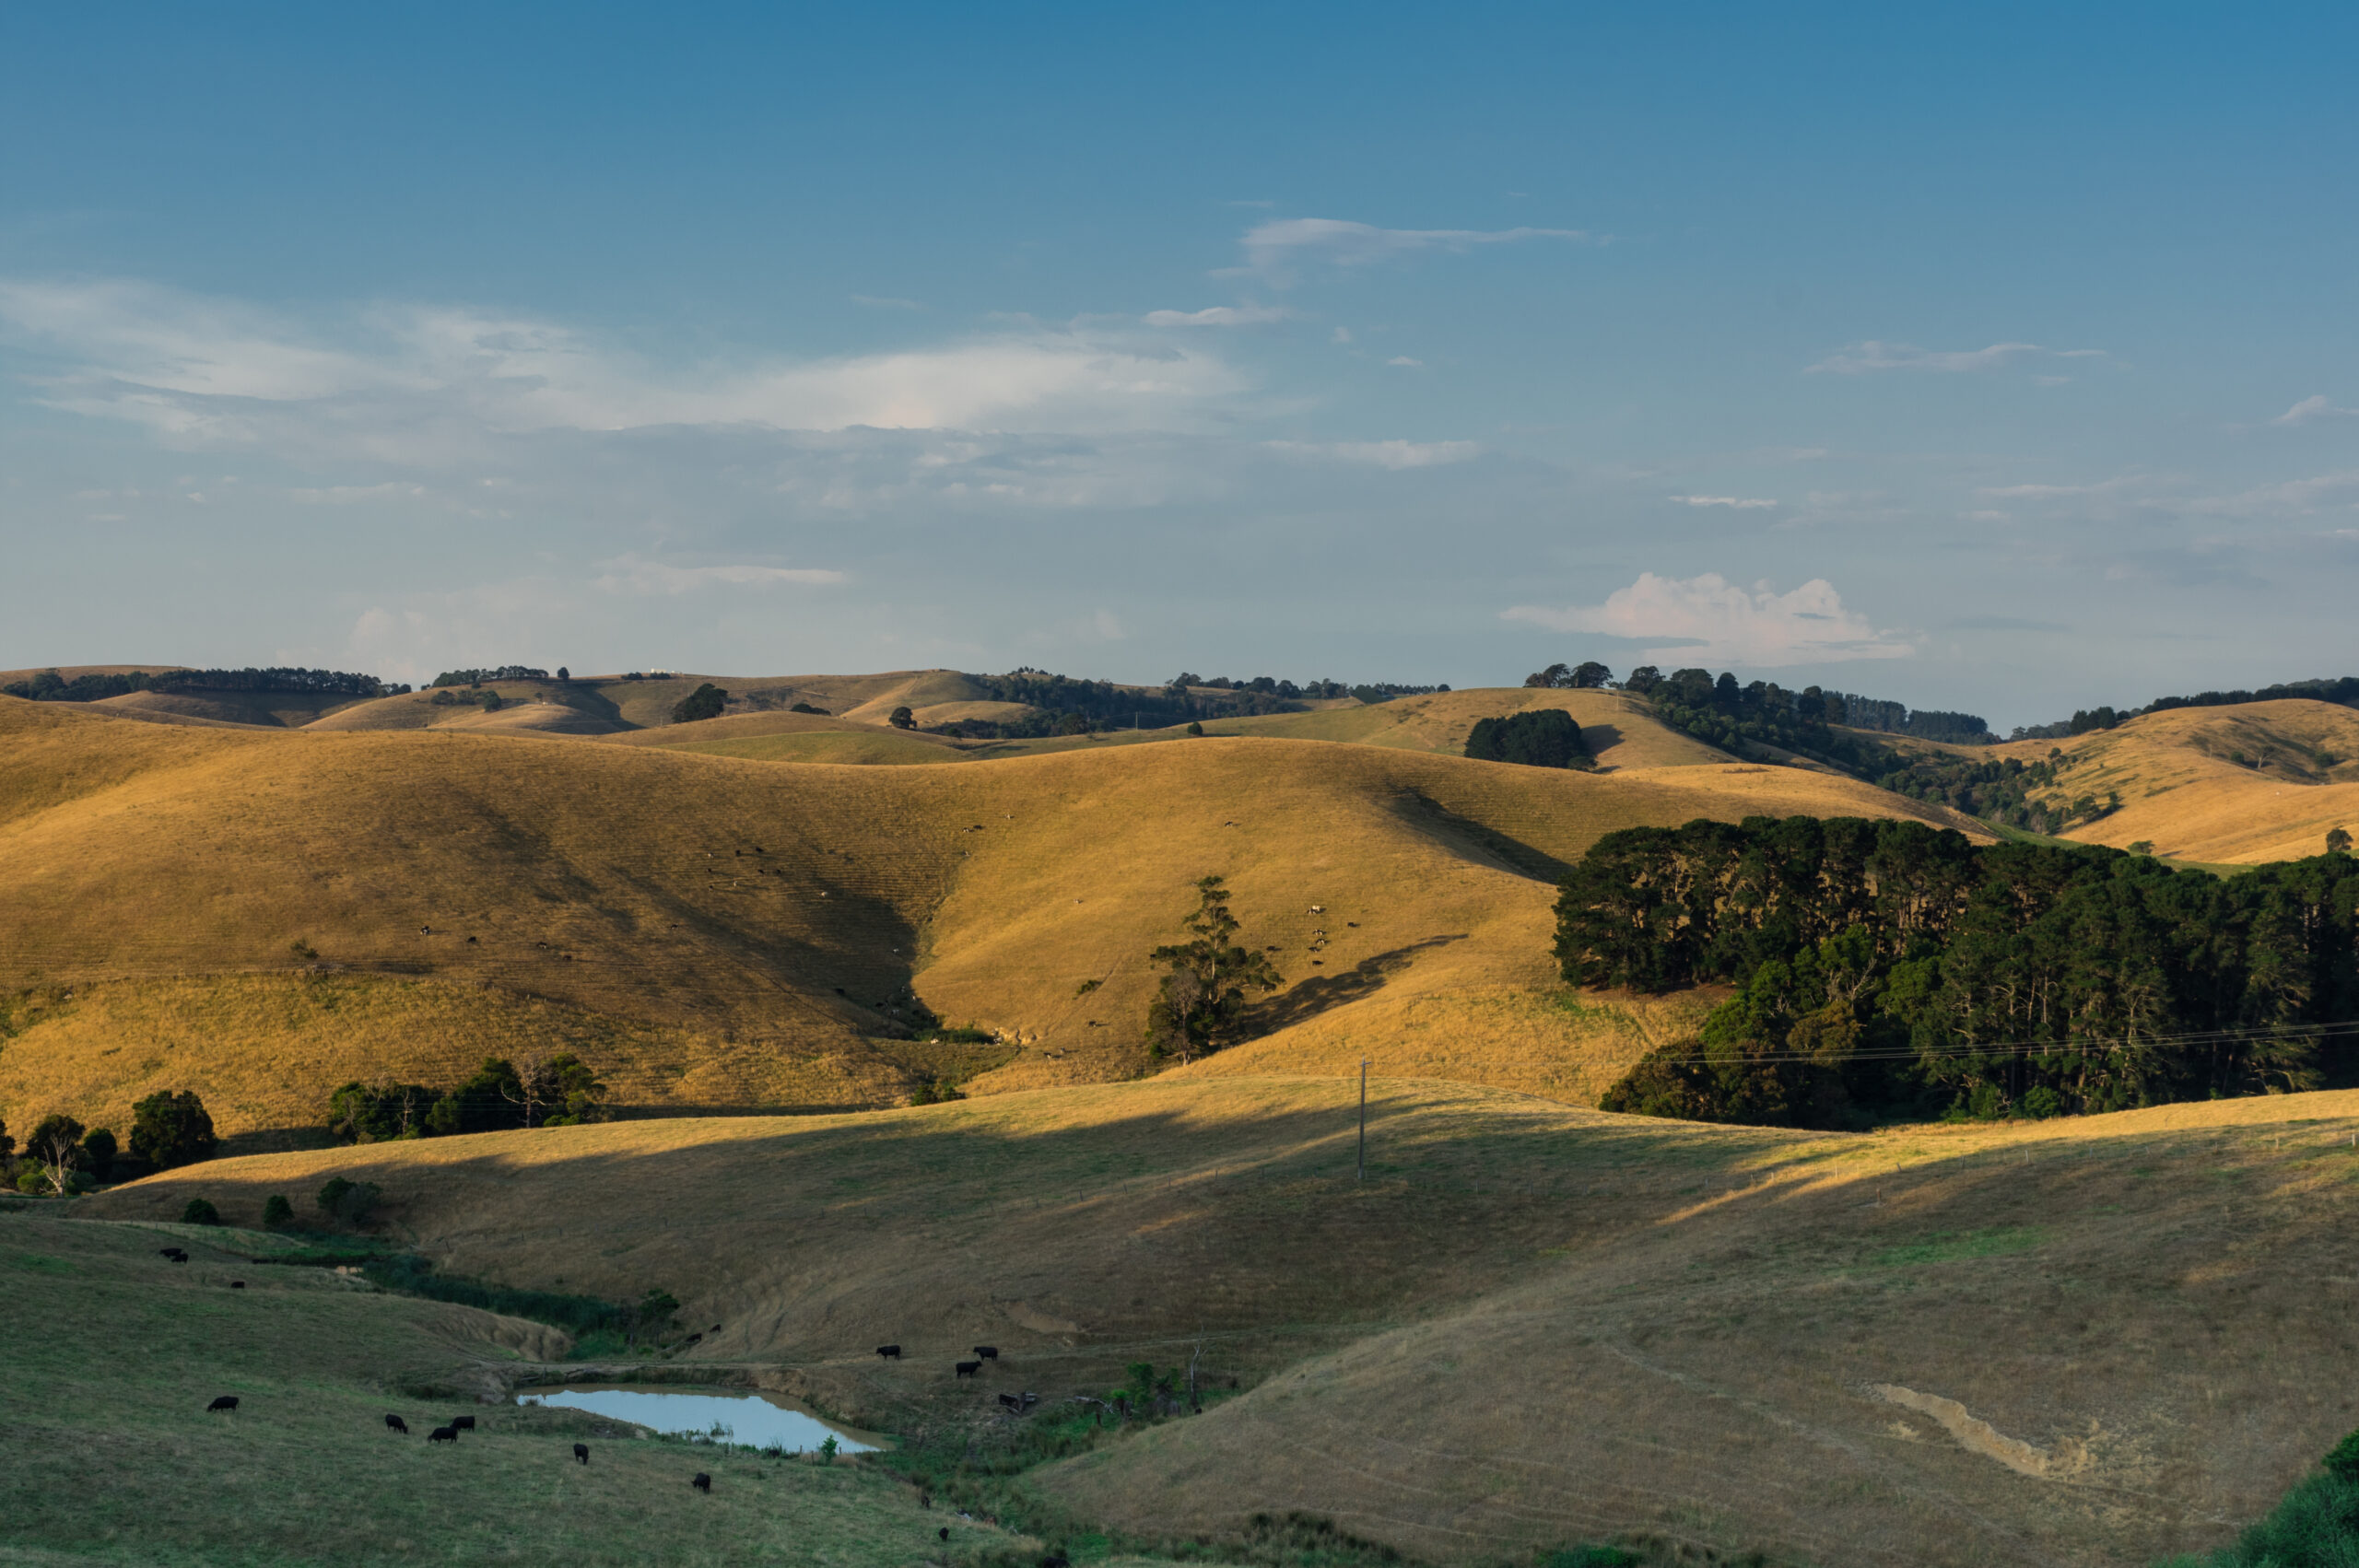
x=1218 y=316
x=1741 y=503
x=1709 y=619
x=1863 y=359
x=1383 y=454
x=1276 y=248
x=200 y=371
x=2311 y=408
x=1404 y=362
x=635 y=575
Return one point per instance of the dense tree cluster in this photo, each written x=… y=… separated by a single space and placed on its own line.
x=61 y=1157
x=1998 y=791
x=1575 y=677
x=50 y=686
x=1731 y=717
x=1545 y=737
x=538 y=1091
x=1897 y=719
x=476 y=677
x=1886 y=967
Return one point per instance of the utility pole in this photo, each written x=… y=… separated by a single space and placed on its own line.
x=1363 y=1175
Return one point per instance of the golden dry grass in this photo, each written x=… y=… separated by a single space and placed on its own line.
x=2096 y=1340
x=2183 y=790
x=784 y=911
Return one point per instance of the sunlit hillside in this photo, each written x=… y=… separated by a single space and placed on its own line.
x=2090 y=1341
x=264 y=915
x=2242 y=785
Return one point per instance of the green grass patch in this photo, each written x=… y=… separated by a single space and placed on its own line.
x=1953 y=1247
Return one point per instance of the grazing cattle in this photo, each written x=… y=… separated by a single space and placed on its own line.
x=1011 y=1402
x=988 y=1352
x=943 y=1532
x=968 y=1368
x=581 y=1453
x=702 y=1482
x=237 y=1284
x=462 y=1423
x=1056 y=1560
x=891 y=1352
x=395 y=1423
x=443 y=1435
x=174 y=1253
x=226 y=1402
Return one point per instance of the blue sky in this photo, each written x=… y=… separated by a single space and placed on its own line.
x=1996 y=358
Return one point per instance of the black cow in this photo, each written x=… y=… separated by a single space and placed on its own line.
x=462 y=1423
x=443 y=1435
x=226 y=1402
x=968 y=1368
x=943 y=1532
x=581 y=1453
x=891 y=1352
x=989 y=1352
x=174 y=1253
x=237 y=1284
x=1056 y=1560
x=702 y=1482
x=1011 y=1402
x=395 y=1423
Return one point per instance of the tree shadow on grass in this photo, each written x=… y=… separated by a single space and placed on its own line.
x=1322 y=993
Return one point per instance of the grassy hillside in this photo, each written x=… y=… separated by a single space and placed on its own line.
x=114 y=1461
x=776 y=916
x=2095 y=1341
x=2263 y=781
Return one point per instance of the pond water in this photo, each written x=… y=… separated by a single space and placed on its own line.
x=754 y=1420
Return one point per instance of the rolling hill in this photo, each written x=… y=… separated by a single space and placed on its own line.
x=264 y=915
x=2092 y=1341
x=2239 y=785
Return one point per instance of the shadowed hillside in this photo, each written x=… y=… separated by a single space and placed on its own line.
x=2092 y=1340
x=745 y=930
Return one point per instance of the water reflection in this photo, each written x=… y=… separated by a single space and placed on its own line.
x=756 y=1420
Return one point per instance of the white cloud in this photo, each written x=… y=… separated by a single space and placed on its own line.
x=1741 y=503
x=1405 y=362
x=2057 y=492
x=1708 y=619
x=2311 y=408
x=1272 y=248
x=417 y=381
x=1383 y=454
x=1217 y=316
x=1862 y=359
x=631 y=574
x=1342 y=334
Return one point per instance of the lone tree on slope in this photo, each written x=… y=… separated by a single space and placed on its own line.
x=1204 y=991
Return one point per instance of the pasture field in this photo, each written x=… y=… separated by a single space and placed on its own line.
x=113 y=1459
x=262 y=916
x=2100 y=1341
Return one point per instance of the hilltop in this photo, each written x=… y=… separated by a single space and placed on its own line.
x=2099 y=1341
x=264 y=915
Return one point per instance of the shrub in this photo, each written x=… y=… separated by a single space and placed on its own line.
x=277 y=1213
x=2344 y=1462
x=347 y=1201
x=169 y=1130
x=200 y=1212
x=705 y=702
x=1194 y=728
x=99 y=1147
